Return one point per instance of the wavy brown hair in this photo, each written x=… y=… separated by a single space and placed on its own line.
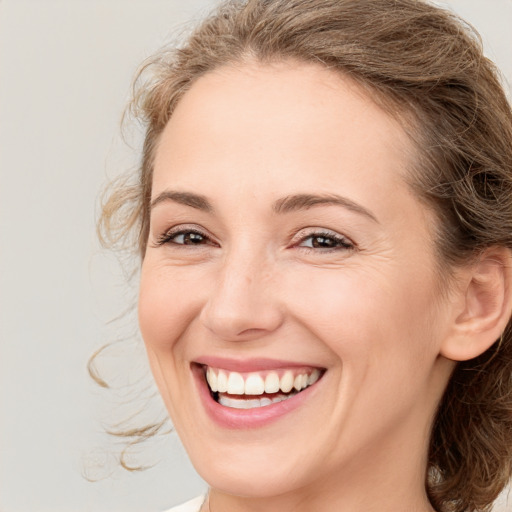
x=426 y=67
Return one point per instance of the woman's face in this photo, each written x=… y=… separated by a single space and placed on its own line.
x=285 y=248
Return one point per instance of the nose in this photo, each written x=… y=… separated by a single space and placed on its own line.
x=243 y=303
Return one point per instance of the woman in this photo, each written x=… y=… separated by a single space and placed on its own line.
x=324 y=218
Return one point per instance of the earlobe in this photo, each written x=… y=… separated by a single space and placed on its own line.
x=485 y=306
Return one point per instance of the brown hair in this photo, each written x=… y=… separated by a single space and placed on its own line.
x=426 y=67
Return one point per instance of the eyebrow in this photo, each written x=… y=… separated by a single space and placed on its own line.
x=306 y=201
x=286 y=204
x=187 y=198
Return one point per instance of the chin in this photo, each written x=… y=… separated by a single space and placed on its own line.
x=249 y=478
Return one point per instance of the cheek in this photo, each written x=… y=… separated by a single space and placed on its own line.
x=368 y=316
x=167 y=303
x=383 y=334
x=156 y=313
x=165 y=309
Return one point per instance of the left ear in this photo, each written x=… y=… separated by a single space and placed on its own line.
x=484 y=306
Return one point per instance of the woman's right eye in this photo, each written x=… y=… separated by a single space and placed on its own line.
x=184 y=237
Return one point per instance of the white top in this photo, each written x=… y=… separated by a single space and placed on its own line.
x=190 y=506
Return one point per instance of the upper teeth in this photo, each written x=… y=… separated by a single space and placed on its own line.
x=257 y=383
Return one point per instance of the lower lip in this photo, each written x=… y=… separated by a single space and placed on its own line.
x=229 y=417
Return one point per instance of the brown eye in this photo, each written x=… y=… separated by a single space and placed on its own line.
x=323 y=242
x=184 y=237
x=188 y=238
x=326 y=241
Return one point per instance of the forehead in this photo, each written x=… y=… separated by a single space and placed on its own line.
x=280 y=126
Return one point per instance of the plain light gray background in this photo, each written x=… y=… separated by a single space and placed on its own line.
x=65 y=71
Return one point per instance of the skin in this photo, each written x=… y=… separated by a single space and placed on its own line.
x=371 y=314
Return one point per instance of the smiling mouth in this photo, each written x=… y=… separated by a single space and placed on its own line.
x=258 y=389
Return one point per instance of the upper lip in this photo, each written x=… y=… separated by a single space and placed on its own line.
x=250 y=365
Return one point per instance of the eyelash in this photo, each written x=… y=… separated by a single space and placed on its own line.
x=169 y=236
x=340 y=242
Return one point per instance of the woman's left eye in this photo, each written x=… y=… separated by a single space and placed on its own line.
x=325 y=242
